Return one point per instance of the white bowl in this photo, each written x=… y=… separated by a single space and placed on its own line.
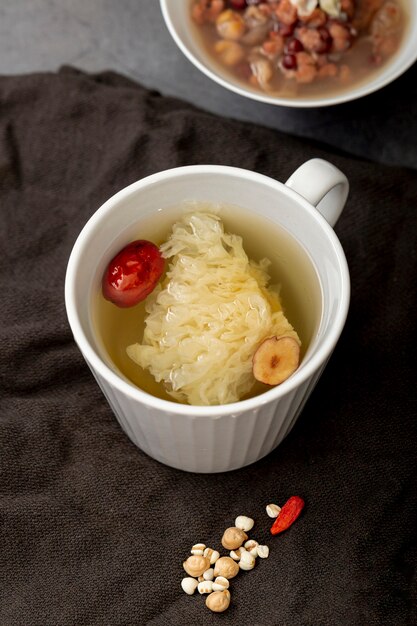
x=178 y=20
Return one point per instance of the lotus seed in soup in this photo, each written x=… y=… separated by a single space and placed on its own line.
x=296 y=48
x=194 y=338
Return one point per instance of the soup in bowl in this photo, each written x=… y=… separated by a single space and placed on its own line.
x=297 y=52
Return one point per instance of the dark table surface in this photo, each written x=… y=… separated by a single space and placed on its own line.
x=130 y=36
x=93 y=532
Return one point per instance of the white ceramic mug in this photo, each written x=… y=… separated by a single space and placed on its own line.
x=226 y=437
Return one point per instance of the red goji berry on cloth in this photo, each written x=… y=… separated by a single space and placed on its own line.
x=289 y=513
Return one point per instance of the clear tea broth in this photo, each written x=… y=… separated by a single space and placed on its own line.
x=291 y=268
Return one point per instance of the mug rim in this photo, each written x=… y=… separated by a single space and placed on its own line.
x=301 y=375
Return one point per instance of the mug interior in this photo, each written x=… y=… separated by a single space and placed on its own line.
x=254 y=202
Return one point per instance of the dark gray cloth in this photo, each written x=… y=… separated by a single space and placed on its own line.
x=381 y=126
x=95 y=532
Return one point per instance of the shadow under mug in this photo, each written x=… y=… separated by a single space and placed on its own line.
x=224 y=437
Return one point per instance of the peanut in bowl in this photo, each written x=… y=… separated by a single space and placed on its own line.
x=298 y=53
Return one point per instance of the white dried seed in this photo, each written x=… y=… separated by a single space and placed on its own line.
x=247 y=561
x=236 y=554
x=198 y=549
x=251 y=546
x=205 y=587
x=263 y=552
x=244 y=523
x=208 y=552
x=220 y=584
x=189 y=585
x=213 y=555
x=209 y=574
x=273 y=510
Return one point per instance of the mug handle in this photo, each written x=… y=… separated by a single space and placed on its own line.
x=323 y=185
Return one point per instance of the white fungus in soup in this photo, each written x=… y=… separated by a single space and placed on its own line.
x=205 y=321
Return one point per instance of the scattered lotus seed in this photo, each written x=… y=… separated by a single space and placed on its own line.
x=226 y=567
x=233 y=538
x=218 y=601
x=196 y=565
x=210 y=573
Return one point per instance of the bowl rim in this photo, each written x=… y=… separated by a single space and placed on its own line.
x=313 y=365
x=345 y=96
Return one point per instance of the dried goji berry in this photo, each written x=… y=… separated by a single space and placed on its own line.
x=289 y=513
